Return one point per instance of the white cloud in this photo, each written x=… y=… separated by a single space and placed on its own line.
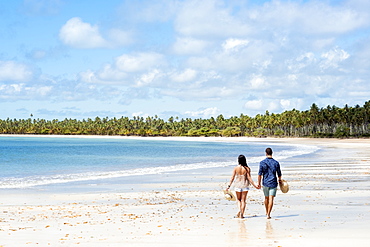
x=79 y=34
x=148 y=78
x=320 y=85
x=363 y=94
x=12 y=91
x=301 y=62
x=285 y=104
x=139 y=62
x=13 y=71
x=102 y=77
x=184 y=76
x=320 y=17
x=17 y=87
x=140 y=69
x=261 y=65
x=107 y=75
x=289 y=104
x=202 y=63
x=186 y=46
x=234 y=44
x=23 y=91
x=200 y=92
x=208 y=18
x=239 y=57
x=258 y=82
x=88 y=76
x=204 y=113
x=254 y=105
x=307 y=57
x=44 y=90
x=273 y=106
x=279 y=55
x=312 y=17
x=333 y=58
x=111 y=74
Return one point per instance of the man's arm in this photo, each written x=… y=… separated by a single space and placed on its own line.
x=260 y=173
x=259 y=181
x=279 y=172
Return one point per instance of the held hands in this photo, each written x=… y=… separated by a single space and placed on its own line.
x=257 y=187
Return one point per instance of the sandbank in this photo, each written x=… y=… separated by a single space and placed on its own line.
x=327 y=205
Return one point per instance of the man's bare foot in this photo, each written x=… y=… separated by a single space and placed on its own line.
x=268 y=217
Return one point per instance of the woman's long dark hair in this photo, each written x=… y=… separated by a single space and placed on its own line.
x=242 y=160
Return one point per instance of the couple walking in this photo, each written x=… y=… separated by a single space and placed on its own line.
x=268 y=172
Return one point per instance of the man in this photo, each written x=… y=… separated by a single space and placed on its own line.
x=268 y=169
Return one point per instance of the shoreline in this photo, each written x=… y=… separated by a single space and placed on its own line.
x=312 y=140
x=327 y=205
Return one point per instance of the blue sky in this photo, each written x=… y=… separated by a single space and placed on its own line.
x=81 y=59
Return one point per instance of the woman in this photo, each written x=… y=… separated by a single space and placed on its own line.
x=242 y=176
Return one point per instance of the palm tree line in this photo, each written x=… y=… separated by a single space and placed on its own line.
x=331 y=121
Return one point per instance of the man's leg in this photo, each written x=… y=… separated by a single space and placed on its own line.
x=266 y=204
x=270 y=203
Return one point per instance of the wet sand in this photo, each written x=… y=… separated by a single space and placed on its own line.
x=327 y=205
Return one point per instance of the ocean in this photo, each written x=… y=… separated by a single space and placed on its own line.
x=61 y=162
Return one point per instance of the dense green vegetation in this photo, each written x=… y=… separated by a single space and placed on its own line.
x=331 y=121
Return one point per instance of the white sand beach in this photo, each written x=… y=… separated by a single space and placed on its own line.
x=328 y=205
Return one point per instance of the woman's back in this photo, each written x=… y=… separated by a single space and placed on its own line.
x=241 y=180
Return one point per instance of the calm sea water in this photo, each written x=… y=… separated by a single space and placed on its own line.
x=41 y=161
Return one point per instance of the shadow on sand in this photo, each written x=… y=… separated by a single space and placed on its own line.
x=286 y=216
x=263 y=216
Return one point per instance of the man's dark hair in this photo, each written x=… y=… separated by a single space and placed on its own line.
x=268 y=151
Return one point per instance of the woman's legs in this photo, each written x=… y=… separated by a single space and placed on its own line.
x=238 y=198
x=243 y=203
x=242 y=198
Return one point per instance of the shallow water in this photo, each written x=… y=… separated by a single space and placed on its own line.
x=28 y=162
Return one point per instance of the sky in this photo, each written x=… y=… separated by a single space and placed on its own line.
x=182 y=58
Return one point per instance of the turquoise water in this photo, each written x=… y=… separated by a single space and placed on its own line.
x=44 y=161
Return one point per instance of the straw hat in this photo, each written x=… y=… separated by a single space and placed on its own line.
x=229 y=195
x=284 y=187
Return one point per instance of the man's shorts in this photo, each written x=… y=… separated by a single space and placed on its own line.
x=269 y=191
